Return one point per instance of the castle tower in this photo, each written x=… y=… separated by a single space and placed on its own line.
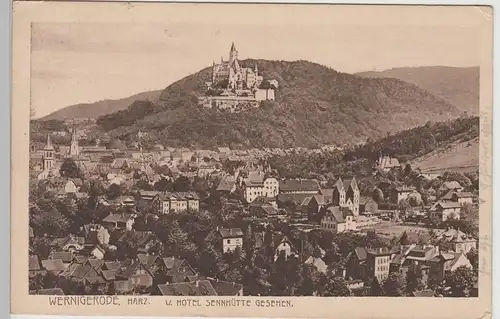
x=74 y=150
x=233 y=53
x=48 y=155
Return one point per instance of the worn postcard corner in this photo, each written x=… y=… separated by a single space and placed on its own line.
x=256 y=160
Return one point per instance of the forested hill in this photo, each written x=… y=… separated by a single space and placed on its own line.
x=100 y=108
x=459 y=86
x=417 y=142
x=315 y=105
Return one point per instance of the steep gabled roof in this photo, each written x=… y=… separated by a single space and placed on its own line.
x=350 y=183
x=225 y=288
x=147 y=260
x=65 y=256
x=197 y=288
x=299 y=185
x=53 y=265
x=361 y=253
x=451 y=185
x=34 y=263
x=230 y=232
x=339 y=185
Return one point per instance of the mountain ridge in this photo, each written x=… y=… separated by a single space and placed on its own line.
x=99 y=108
x=314 y=105
x=457 y=85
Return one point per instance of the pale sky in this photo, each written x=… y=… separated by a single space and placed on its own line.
x=87 y=62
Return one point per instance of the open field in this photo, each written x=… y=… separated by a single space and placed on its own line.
x=389 y=229
x=459 y=157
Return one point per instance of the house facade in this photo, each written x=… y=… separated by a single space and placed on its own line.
x=402 y=193
x=231 y=238
x=257 y=185
x=378 y=263
x=119 y=221
x=285 y=248
x=445 y=210
x=338 y=219
x=167 y=202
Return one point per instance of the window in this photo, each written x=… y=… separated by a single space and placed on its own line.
x=229 y=241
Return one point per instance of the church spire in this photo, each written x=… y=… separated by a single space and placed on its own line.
x=49 y=146
x=74 y=149
x=233 y=48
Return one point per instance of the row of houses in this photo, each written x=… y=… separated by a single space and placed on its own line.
x=168 y=276
x=365 y=263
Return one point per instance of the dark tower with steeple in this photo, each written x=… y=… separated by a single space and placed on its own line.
x=74 y=149
x=48 y=155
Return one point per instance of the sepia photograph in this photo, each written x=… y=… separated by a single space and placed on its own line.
x=285 y=157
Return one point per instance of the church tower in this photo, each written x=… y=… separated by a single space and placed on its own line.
x=48 y=155
x=233 y=53
x=74 y=150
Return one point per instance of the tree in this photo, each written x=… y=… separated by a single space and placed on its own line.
x=414 y=280
x=181 y=184
x=473 y=257
x=407 y=170
x=40 y=246
x=376 y=288
x=254 y=282
x=394 y=285
x=403 y=204
x=460 y=281
x=163 y=185
x=403 y=240
x=47 y=219
x=142 y=184
x=70 y=169
x=336 y=286
x=378 y=195
x=113 y=192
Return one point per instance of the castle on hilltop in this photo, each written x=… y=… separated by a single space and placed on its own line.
x=231 y=75
x=234 y=87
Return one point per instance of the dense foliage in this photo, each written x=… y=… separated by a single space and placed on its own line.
x=459 y=86
x=420 y=140
x=314 y=105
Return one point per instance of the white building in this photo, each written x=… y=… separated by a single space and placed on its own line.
x=338 y=219
x=231 y=238
x=257 y=185
x=167 y=202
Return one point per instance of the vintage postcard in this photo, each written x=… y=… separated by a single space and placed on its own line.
x=251 y=160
